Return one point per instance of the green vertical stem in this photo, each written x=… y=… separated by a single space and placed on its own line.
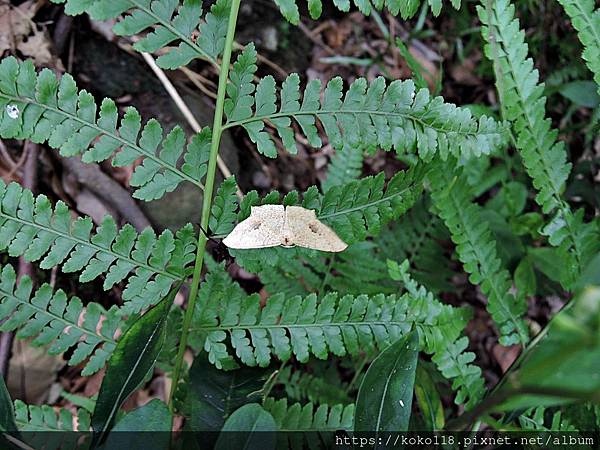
x=209 y=185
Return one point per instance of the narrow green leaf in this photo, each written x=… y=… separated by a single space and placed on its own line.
x=250 y=418
x=428 y=399
x=385 y=395
x=130 y=362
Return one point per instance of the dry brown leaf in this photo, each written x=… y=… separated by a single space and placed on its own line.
x=18 y=32
x=37 y=47
x=32 y=371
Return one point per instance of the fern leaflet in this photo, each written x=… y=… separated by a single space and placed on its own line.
x=170 y=23
x=406 y=8
x=55 y=111
x=522 y=98
x=370 y=115
x=586 y=21
x=448 y=353
x=304 y=326
x=476 y=249
x=362 y=268
x=30 y=227
x=354 y=210
x=301 y=385
x=45 y=418
x=52 y=318
x=297 y=417
x=344 y=166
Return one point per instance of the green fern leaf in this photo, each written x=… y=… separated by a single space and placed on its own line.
x=50 y=428
x=304 y=326
x=369 y=116
x=476 y=249
x=354 y=210
x=523 y=102
x=448 y=353
x=30 y=227
x=406 y=8
x=522 y=99
x=54 y=111
x=586 y=21
x=49 y=317
x=34 y=418
x=297 y=417
x=223 y=215
x=535 y=419
x=362 y=268
x=344 y=166
x=301 y=386
x=169 y=23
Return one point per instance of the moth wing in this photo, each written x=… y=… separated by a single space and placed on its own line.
x=260 y=230
x=310 y=232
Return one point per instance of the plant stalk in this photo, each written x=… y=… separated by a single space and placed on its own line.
x=209 y=185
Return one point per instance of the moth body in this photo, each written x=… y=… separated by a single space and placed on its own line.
x=277 y=225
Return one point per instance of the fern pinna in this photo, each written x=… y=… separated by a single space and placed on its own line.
x=544 y=158
x=149 y=265
x=586 y=20
x=55 y=111
x=52 y=318
x=476 y=249
x=167 y=22
x=369 y=116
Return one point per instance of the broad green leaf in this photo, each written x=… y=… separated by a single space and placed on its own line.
x=582 y=93
x=563 y=365
x=525 y=277
x=250 y=428
x=132 y=359
x=7 y=413
x=385 y=395
x=128 y=433
x=214 y=394
x=428 y=399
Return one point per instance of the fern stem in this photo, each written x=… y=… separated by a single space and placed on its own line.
x=208 y=193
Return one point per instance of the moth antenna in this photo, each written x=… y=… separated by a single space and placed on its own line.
x=205 y=233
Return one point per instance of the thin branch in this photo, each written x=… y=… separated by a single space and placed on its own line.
x=183 y=108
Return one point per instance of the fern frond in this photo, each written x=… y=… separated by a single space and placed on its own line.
x=476 y=248
x=369 y=116
x=354 y=210
x=168 y=22
x=223 y=211
x=304 y=326
x=300 y=386
x=362 y=268
x=586 y=21
x=56 y=111
x=523 y=102
x=50 y=318
x=343 y=166
x=417 y=237
x=406 y=8
x=448 y=353
x=534 y=419
x=30 y=227
x=297 y=417
x=45 y=418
